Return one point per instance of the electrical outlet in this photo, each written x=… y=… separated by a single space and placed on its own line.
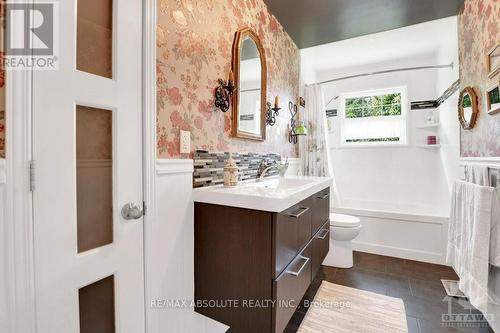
x=185 y=142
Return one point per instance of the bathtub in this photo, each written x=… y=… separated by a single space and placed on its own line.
x=409 y=231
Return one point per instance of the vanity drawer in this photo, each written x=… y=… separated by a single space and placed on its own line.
x=320 y=248
x=292 y=231
x=290 y=287
x=321 y=209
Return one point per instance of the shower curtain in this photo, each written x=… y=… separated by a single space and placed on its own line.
x=313 y=148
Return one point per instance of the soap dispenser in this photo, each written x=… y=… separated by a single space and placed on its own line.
x=230 y=173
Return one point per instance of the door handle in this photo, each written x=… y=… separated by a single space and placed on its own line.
x=131 y=211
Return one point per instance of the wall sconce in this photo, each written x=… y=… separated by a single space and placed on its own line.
x=295 y=129
x=224 y=92
x=272 y=113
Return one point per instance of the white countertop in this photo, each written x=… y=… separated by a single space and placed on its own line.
x=272 y=195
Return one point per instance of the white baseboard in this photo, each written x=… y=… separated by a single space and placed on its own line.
x=430 y=257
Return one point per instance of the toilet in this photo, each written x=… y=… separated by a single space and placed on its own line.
x=343 y=229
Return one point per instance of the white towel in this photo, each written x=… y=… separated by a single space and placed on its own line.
x=495 y=230
x=477 y=174
x=469 y=239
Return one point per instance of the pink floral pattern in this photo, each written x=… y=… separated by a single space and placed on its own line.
x=194 y=46
x=479 y=30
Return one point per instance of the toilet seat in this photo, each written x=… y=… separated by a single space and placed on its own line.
x=345 y=221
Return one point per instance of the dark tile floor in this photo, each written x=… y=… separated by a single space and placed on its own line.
x=417 y=284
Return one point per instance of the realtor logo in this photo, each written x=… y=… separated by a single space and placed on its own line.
x=30 y=39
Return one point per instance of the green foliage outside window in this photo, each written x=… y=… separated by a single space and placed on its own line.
x=467 y=101
x=373 y=106
x=494 y=96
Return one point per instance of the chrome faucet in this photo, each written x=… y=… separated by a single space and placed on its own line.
x=264 y=169
x=265 y=172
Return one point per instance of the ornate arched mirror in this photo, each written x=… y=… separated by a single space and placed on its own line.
x=468 y=108
x=249 y=100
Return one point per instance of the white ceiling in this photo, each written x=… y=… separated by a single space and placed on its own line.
x=402 y=43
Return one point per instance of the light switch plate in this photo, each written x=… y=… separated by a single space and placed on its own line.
x=185 y=142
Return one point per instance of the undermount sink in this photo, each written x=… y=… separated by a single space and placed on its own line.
x=271 y=194
x=281 y=183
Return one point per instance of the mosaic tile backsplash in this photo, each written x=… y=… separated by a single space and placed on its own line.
x=209 y=166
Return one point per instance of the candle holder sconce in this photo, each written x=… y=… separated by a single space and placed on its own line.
x=223 y=94
x=271 y=114
x=295 y=130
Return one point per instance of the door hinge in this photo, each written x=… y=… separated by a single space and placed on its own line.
x=144 y=208
x=32 y=176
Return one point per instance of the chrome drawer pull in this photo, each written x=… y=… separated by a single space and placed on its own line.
x=301 y=268
x=324 y=196
x=303 y=210
x=324 y=235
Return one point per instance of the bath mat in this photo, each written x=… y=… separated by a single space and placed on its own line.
x=339 y=309
x=451 y=287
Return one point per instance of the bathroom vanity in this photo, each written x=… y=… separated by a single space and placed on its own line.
x=258 y=247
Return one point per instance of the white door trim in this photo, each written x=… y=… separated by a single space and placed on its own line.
x=18 y=236
x=149 y=133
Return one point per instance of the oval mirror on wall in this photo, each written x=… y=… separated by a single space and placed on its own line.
x=249 y=100
x=468 y=108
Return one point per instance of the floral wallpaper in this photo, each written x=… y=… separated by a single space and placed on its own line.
x=479 y=30
x=194 y=46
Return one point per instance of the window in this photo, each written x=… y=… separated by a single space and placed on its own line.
x=376 y=117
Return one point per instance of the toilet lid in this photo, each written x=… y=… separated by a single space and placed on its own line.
x=342 y=220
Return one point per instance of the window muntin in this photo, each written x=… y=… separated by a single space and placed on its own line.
x=373 y=106
x=376 y=117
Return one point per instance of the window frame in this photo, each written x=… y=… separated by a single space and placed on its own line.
x=405 y=106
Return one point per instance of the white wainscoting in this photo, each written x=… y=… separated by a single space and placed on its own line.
x=3 y=174
x=4 y=310
x=169 y=243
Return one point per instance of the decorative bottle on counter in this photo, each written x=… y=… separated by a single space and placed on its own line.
x=230 y=173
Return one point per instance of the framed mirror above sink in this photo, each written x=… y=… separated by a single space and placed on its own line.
x=249 y=100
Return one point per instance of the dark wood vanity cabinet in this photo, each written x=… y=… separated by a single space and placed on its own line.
x=252 y=267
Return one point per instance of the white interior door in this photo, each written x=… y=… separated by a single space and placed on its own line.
x=87 y=147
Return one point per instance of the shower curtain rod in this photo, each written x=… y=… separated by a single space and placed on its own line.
x=387 y=71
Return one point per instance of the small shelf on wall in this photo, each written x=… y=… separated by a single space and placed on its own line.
x=429 y=146
x=426 y=126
